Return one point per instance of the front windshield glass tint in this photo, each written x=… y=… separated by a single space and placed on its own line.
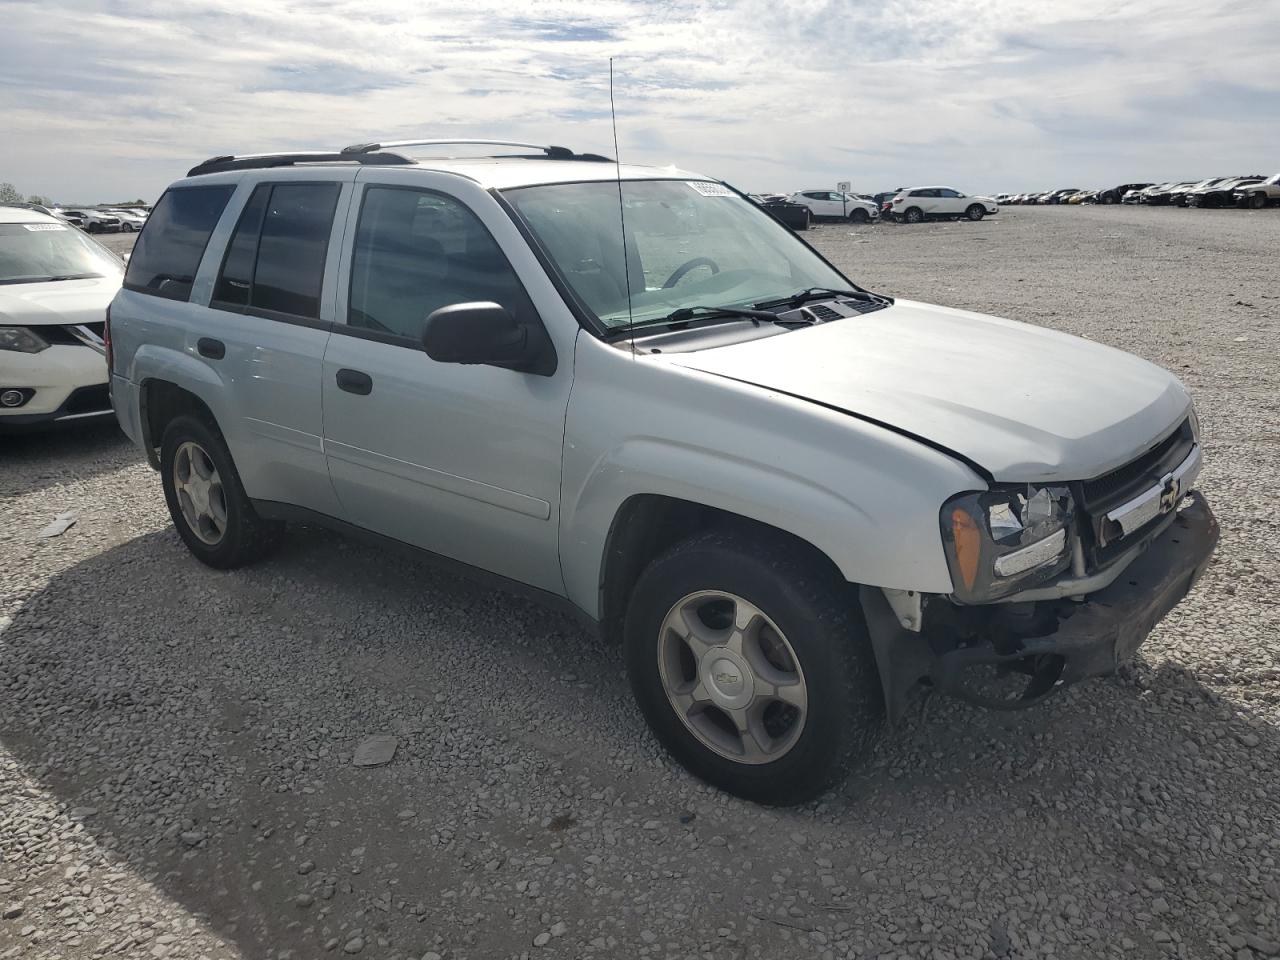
x=32 y=252
x=689 y=243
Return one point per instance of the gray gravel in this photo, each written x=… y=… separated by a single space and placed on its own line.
x=177 y=745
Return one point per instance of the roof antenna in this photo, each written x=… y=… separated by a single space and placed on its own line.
x=622 y=219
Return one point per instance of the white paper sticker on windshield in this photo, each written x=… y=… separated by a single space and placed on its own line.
x=708 y=189
x=45 y=226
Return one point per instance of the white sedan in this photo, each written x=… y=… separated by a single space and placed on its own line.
x=832 y=204
x=917 y=204
x=55 y=285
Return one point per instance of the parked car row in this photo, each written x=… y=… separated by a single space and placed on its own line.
x=96 y=219
x=904 y=205
x=1252 y=191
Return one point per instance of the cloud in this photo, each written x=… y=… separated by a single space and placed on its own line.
x=118 y=99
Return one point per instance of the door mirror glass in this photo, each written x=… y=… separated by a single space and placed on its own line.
x=478 y=333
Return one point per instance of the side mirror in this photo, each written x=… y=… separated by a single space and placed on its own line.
x=485 y=333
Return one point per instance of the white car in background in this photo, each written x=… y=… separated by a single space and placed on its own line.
x=918 y=204
x=95 y=221
x=55 y=285
x=131 y=221
x=832 y=204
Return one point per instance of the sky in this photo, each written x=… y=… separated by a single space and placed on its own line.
x=113 y=100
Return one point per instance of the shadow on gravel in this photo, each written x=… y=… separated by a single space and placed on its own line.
x=33 y=461
x=209 y=721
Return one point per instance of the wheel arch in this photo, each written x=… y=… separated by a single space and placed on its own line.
x=646 y=525
x=172 y=385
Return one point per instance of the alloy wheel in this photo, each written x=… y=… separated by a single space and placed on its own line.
x=732 y=677
x=199 y=491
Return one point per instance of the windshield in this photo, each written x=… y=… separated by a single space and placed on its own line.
x=32 y=252
x=689 y=243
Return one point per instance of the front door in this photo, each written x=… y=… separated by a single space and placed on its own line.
x=461 y=460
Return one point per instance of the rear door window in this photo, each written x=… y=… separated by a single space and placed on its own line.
x=169 y=249
x=275 y=260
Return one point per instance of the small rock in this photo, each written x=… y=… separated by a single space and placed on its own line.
x=432 y=955
x=354 y=945
x=304 y=900
x=407 y=814
x=192 y=837
x=306 y=866
x=13 y=911
x=79 y=813
x=559 y=928
x=376 y=751
x=542 y=939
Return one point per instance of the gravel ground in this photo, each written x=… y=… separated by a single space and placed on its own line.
x=177 y=745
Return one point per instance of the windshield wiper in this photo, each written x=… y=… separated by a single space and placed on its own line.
x=684 y=315
x=49 y=279
x=818 y=293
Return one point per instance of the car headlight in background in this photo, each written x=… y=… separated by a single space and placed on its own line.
x=21 y=339
x=1006 y=539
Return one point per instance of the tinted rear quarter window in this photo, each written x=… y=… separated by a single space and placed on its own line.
x=168 y=252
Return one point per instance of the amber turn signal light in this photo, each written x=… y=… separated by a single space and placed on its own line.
x=968 y=541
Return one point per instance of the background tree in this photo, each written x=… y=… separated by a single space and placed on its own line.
x=43 y=201
x=9 y=193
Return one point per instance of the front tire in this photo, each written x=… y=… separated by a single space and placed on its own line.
x=860 y=216
x=976 y=211
x=750 y=661
x=1257 y=201
x=210 y=509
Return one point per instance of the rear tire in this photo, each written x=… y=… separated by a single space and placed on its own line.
x=913 y=215
x=1108 y=198
x=976 y=212
x=801 y=617
x=206 y=499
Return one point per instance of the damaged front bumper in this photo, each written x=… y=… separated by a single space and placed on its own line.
x=1044 y=644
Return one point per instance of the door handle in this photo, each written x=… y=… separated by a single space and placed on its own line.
x=211 y=348
x=353 y=381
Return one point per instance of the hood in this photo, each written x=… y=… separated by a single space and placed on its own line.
x=1022 y=402
x=60 y=301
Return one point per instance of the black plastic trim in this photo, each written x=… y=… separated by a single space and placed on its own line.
x=225 y=163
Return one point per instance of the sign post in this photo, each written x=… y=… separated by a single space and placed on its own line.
x=843 y=188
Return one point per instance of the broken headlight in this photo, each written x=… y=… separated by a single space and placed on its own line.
x=1006 y=539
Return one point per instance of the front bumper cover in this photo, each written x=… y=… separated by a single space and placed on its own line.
x=1053 y=643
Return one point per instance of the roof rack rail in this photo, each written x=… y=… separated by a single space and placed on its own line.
x=551 y=152
x=264 y=160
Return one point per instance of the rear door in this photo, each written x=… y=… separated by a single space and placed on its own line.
x=463 y=461
x=927 y=200
x=950 y=201
x=271 y=306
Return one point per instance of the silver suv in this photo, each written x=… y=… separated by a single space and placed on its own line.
x=632 y=393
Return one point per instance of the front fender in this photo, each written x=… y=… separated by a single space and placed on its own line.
x=867 y=497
